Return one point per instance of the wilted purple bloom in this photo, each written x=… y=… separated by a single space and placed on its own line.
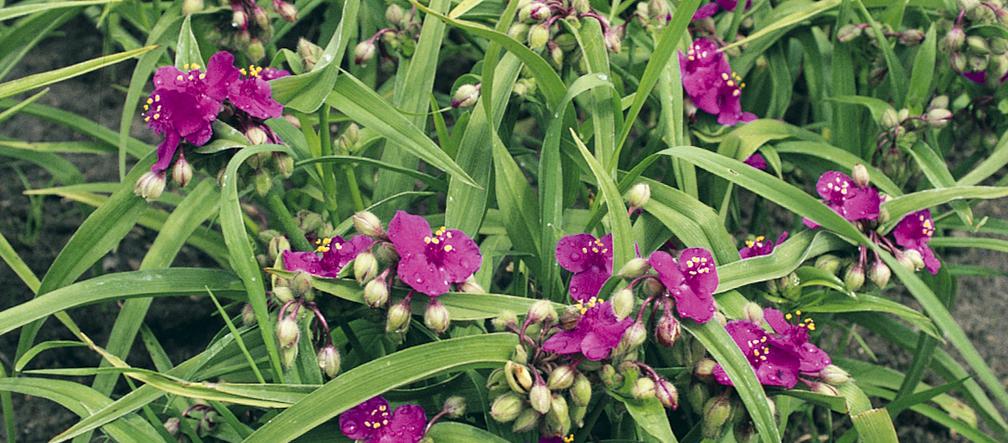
x=336 y=253
x=591 y=261
x=716 y=6
x=775 y=361
x=914 y=231
x=811 y=359
x=597 y=333
x=374 y=422
x=846 y=198
x=431 y=261
x=711 y=84
x=690 y=281
x=757 y=161
x=761 y=246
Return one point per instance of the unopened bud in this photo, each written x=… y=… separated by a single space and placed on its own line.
x=753 y=312
x=911 y=259
x=260 y=17
x=471 y=286
x=834 y=375
x=704 y=368
x=309 y=221
x=283 y=294
x=854 y=278
x=639 y=195
x=538 y=36
x=643 y=389
x=277 y=245
x=667 y=394
x=520 y=354
x=255 y=50
x=658 y=9
x=505 y=319
x=239 y=19
x=556 y=56
x=860 y=175
x=394 y=14
x=190 y=7
x=825 y=389
x=309 y=52
x=911 y=37
x=879 y=274
x=977 y=62
x=540 y=311
x=716 y=412
x=287 y=332
x=506 y=407
x=634 y=268
x=653 y=287
x=609 y=376
x=376 y=293
x=558 y=417
x=248 y=315
x=454 y=406
x=436 y=316
x=150 y=186
x=365 y=267
x=954 y=39
x=581 y=390
x=302 y=285
x=569 y=317
x=890 y=119
x=562 y=377
x=263 y=183
x=938 y=117
x=977 y=45
x=518 y=377
x=329 y=360
x=958 y=61
x=622 y=303
x=284 y=164
x=465 y=96
x=526 y=421
x=539 y=397
x=364 y=52
x=398 y=317
x=668 y=330
x=581 y=6
x=848 y=33
x=285 y=10
x=829 y=263
x=939 y=101
x=633 y=337
x=171 y=426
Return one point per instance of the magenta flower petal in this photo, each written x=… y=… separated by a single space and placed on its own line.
x=915 y=229
x=775 y=363
x=220 y=74
x=430 y=261
x=303 y=261
x=407 y=233
x=706 y=11
x=596 y=334
x=931 y=262
x=585 y=285
x=811 y=359
x=700 y=272
x=374 y=422
x=253 y=95
x=710 y=83
x=864 y=205
x=835 y=187
x=757 y=161
x=422 y=275
x=462 y=257
x=976 y=76
x=573 y=253
x=690 y=282
x=590 y=260
x=340 y=252
x=358 y=422
x=273 y=73
x=407 y=425
x=761 y=246
x=566 y=342
x=166 y=152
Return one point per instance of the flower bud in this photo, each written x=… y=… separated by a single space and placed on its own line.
x=658 y=9
x=954 y=39
x=285 y=10
x=634 y=268
x=829 y=263
x=506 y=407
x=938 y=117
x=653 y=287
x=329 y=360
x=454 y=406
x=556 y=55
x=503 y=320
x=581 y=390
x=609 y=376
x=613 y=41
x=526 y=421
x=239 y=19
x=569 y=317
x=277 y=245
x=255 y=50
x=879 y=274
x=365 y=267
x=977 y=45
x=911 y=37
x=539 y=397
x=622 y=303
x=398 y=317
x=287 y=332
x=284 y=164
x=376 y=293
x=309 y=52
x=704 y=368
x=309 y=221
x=465 y=96
x=562 y=377
x=915 y=259
x=558 y=417
x=825 y=389
x=890 y=119
x=518 y=377
x=860 y=175
x=171 y=426
x=283 y=294
x=540 y=311
x=855 y=277
x=260 y=17
x=394 y=14
x=520 y=354
x=182 y=172
x=538 y=36
x=364 y=52
x=150 y=186
x=495 y=383
x=667 y=394
x=248 y=315
x=581 y=6
x=385 y=253
x=958 y=61
x=633 y=337
x=977 y=62
x=998 y=45
x=716 y=412
x=263 y=183
x=834 y=375
x=436 y=316
x=667 y=331
x=753 y=312
x=939 y=101
x=643 y=389
x=848 y=33
x=302 y=285
x=518 y=31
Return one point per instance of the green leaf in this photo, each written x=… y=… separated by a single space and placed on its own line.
x=785 y=22
x=875 y=425
x=10 y=112
x=9 y=12
x=430 y=180
x=875 y=106
x=619 y=220
x=923 y=70
x=990 y=244
x=905 y=204
x=11 y=257
x=996 y=160
x=936 y=171
x=33 y=81
x=840 y=157
x=518 y=204
x=380 y=375
x=650 y=415
x=187 y=50
x=42 y=347
x=449 y=431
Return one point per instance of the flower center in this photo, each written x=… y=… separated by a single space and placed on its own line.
x=697 y=265
x=252 y=71
x=569 y=438
x=758 y=242
x=190 y=68
x=379 y=417
x=437 y=243
x=807 y=322
x=759 y=348
x=838 y=185
x=326 y=244
x=733 y=80
x=696 y=52
x=586 y=305
x=927 y=226
x=156 y=112
x=596 y=247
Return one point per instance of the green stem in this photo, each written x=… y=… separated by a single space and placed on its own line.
x=287 y=223
x=592 y=418
x=328 y=175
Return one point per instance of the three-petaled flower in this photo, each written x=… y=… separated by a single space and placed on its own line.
x=811 y=359
x=775 y=361
x=431 y=261
x=761 y=246
x=591 y=261
x=336 y=253
x=375 y=422
x=711 y=84
x=845 y=197
x=914 y=231
x=596 y=334
x=690 y=281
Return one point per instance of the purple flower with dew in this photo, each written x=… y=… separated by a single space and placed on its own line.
x=250 y=92
x=757 y=161
x=811 y=359
x=596 y=334
x=591 y=261
x=761 y=246
x=269 y=73
x=714 y=7
x=845 y=197
x=774 y=360
x=375 y=422
x=711 y=84
x=336 y=253
x=690 y=281
x=430 y=261
x=914 y=231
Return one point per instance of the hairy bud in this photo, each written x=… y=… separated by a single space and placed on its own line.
x=526 y=421
x=364 y=51
x=539 y=397
x=622 y=303
x=562 y=377
x=329 y=360
x=248 y=315
x=465 y=96
x=753 y=312
x=668 y=330
x=855 y=277
x=368 y=224
x=704 y=368
x=716 y=412
x=634 y=268
x=860 y=175
x=829 y=263
x=182 y=172
x=398 y=317
x=667 y=394
x=506 y=408
x=538 y=36
x=376 y=293
x=365 y=267
x=518 y=377
x=558 y=417
x=643 y=389
x=848 y=33
x=288 y=333
x=454 y=406
x=540 y=311
x=581 y=390
x=436 y=316
x=879 y=274
x=505 y=319
x=150 y=186
x=283 y=294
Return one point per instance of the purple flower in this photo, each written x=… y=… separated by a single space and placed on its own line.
x=711 y=84
x=846 y=198
x=374 y=422
x=336 y=253
x=716 y=6
x=249 y=91
x=270 y=73
x=775 y=361
x=690 y=281
x=431 y=261
x=976 y=76
x=591 y=261
x=596 y=334
x=757 y=161
x=811 y=359
x=914 y=231
x=761 y=246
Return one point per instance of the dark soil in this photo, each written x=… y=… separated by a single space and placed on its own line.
x=38 y=228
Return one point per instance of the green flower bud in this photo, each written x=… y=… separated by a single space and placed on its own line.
x=977 y=45
x=277 y=245
x=667 y=394
x=577 y=415
x=495 y=382
x=653 y=287
x=556 y=56
x=376 y=293
x=289 y=356
x=182 y=172
x=309 y=52
x=890 y=119
x=879 y=274
x=150 y=186
x=385 y=253
x=283 y=294
x=829 y=263
x=288 y=333
x=263 y=183
x=848 y=33
x=436 y=317
x=581 y=390
x=540 y=311
x=717 y=410
x=643 y=389
x=465 y=96
x=632 y=338
x=638 y=195
x=860 y=175
x=302 y=285
x=506 y=407
x=613 y=40
x=938 y=117
x=978 y=62
x=668 y=330
x=581 y=6
x=329 y=360
x=825 y=389
x=704 y=368
x=609 y=376
x=526 y=421
x=940 y=101
x=518 y=377
x=911 y=37
x=958 y=61
x=634 y=268
x=394 y=14
x=569 y=317
x=539 y=397
x=471 y=286
x=954 y=39
x=365 y=267
x=753 y=312
x=855 y=277
x=255 y=50
x=998 y=45
x=518 y=31
x=364 y=51
x=697 y=395
x=398 y=318
x=520 y=354
x=538 y=36
x=915 y=258
x=190 y=7
x=622 y=303
x=504 y=319
x=171 y=426
x=309 y=221
x=560 y=378
x=834 y=375
x=368 y=224
x=558 y=417
x=454 y=406
x=248 y=315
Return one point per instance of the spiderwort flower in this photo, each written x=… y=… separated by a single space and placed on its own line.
x=596 y=334
x=811 y=359
x=757 y=161
x=432 y=260
x=336 y=253
x=711 y=84
x=714 y=7
x=690 y=281
x=845 y=197
x=775 y=361
x=375 y=422
x=914 y=231
x=591 y=261
x=250 y=92
x=761 y=246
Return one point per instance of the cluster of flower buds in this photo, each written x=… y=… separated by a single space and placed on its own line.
x=901 y=130
x=541 y=24
x=296 y=298
x=253 y=25
x=908 y=37
x=200 y=418
x=981 y=58
x=400 y=35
